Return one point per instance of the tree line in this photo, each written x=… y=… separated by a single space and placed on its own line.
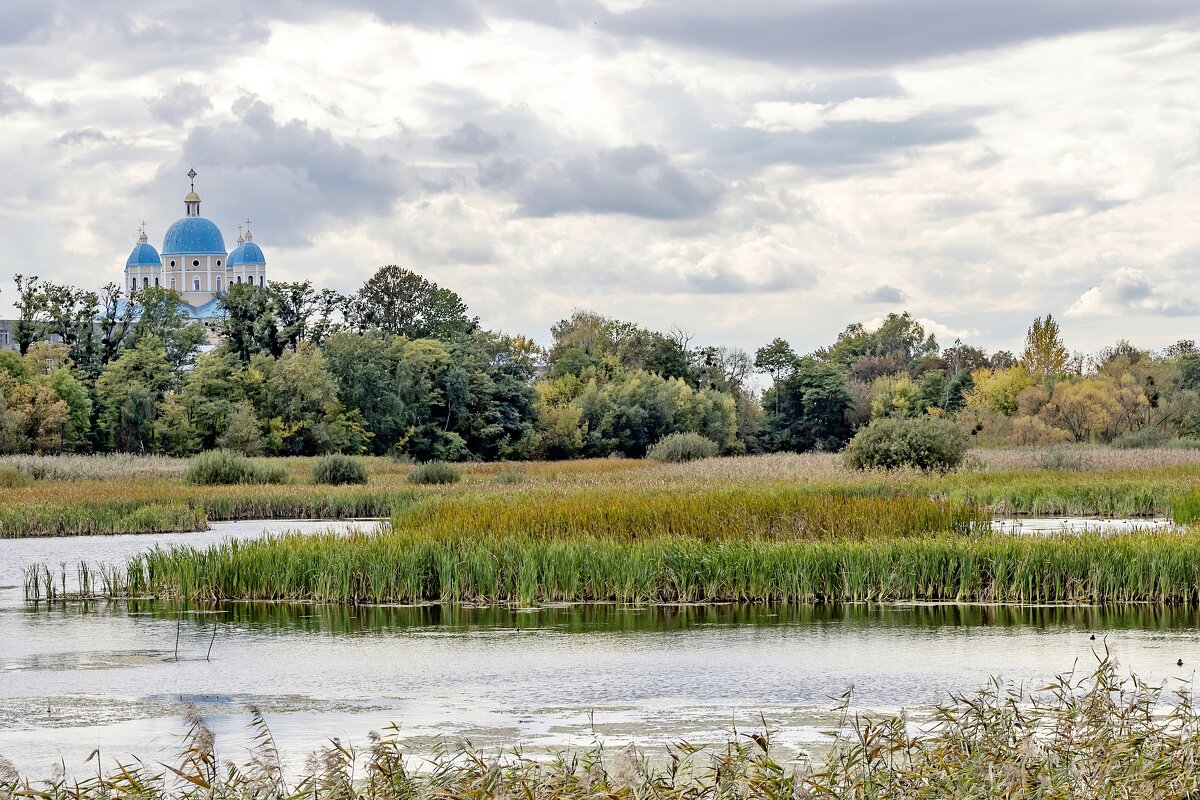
x=401 y=368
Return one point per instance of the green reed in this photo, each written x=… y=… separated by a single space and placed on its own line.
x=113 y=515
x=405 y=568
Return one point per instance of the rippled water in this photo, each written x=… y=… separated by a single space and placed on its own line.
x=76 y=677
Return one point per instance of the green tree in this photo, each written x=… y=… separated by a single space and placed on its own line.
x=77 y=427
x=210 y=392
x=812 y=408
x=243 y=432
x=160 y=316
x=401 y=302
x=116 y=318
x=778 y=360
x=129 y=392
x=31 y=310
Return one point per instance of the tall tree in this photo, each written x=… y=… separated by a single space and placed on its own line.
x=401 y=302
x=70 y=314
x=31 y=309
x=778 y=360
x=1045 y=354
x=812 y=411
x=116 y=318
x=251 y=325
x=160 y=316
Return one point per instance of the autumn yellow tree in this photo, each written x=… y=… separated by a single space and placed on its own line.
x=1045 y=354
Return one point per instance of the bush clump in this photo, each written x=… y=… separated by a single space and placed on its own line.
x=675 y=448
x=1061 y=459
x=217 y=467
x=926 y=443
x=13 y=478
x=338 y=470
x=435 y=472
x=1147 y=437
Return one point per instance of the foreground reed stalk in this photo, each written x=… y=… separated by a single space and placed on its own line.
x=1098 y=736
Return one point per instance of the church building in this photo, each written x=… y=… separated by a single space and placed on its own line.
x=193 y=260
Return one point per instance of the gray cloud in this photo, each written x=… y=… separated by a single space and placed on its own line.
x=640 y=181
x=881 y=294
x=12 y=99
x=20 y=18
x=837 y=145
x=500 y=172
x=181 y=102
x=1044 y=200
x=862 y=33
x=292 y=176
x=469 y=138
x=83 y=136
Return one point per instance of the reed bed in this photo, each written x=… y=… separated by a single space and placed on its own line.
x=762 y=512
x=1095 y=736
x=158 y=503
x=100 y=508
x=98 y=467
x=405 y=568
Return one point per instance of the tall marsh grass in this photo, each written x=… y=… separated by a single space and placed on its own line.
x=405 y=568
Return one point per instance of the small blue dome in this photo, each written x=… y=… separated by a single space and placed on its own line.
x=247 y=253
x=193 y=236
x=143 y=255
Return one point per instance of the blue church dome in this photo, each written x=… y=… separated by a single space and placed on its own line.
x=143 y=255
x=247 y=253
x=193 y=236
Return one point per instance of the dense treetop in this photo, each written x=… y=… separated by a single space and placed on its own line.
x=400 y=368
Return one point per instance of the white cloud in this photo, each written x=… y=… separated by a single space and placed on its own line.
x=1129 y=290
x=774 y=115
x=660 y=161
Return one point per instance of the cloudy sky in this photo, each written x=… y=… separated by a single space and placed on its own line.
x=741 y=170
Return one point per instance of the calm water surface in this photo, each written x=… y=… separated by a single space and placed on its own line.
x=103 y=675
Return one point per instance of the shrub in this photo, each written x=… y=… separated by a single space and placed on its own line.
x=1148 y=436
x=927 y=443
x=675 y=448
x=435 y=472
x=339 y=470
x=225 y=466
x=1058 y=459
x=511 y=476
x=13 y=478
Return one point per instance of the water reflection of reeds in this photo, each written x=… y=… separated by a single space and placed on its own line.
x=614 y=618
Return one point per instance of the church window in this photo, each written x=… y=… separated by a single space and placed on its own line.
x=195 y=284
x=172 y=283
x=134 y=282
x=172 y=263
x=239 y=278
x=260 y=280
x=195 y=262
x=156 y=282
x=218 y=262
x=218 y=284
x=145 y=283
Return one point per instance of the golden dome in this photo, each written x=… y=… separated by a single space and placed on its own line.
x=192 y=197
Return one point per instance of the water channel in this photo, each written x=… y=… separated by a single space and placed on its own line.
x=80 y=676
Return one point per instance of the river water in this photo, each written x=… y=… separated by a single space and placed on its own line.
x=77 y=677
